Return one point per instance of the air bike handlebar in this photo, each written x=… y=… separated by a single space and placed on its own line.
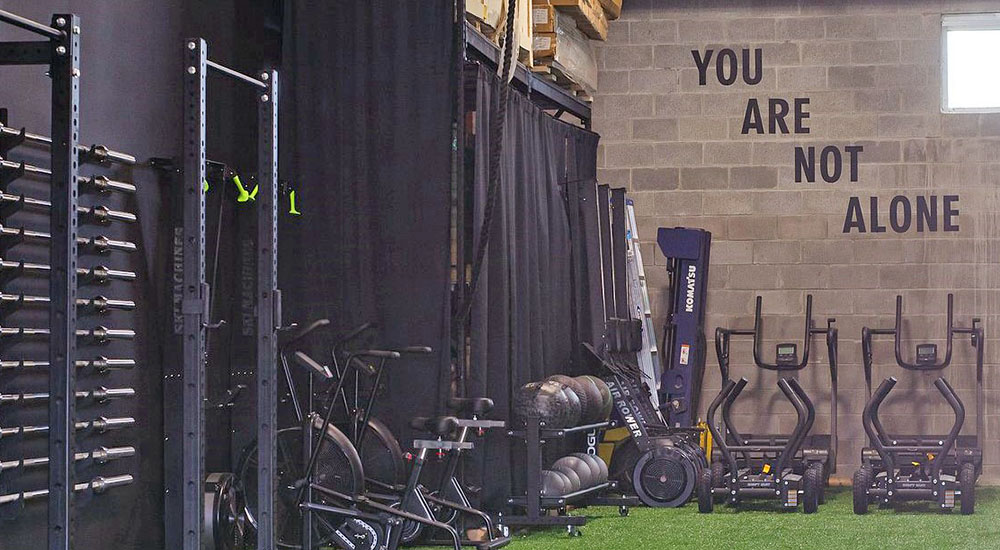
x=303 y=332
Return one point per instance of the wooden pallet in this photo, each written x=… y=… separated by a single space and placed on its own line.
x=612 y=8
x=588 y=14
x=550 y=69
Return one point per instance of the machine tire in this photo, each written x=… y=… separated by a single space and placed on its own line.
x=861 y=482
x=967 y=482
x=666 y=477
x=822 y=480
x=718 y=477
x=705 y=502
x=812 y=484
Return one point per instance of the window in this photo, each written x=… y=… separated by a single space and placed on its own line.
x=970 y=82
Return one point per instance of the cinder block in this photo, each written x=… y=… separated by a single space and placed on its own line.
x=845 y=126
x=902 y=276
x=903 y=76
x=730 y=302
x=854 y=276
x=909 y=125
x=777 y=203
x=782 y=302
x=802 y=227
x=655 y=179
x=830 y=102
x=824 y=54
x=989 y=124
x=676 y=104
x=667 y=203
x=871 y=52
x=878 y=251
x=624 y=105
x=773 y=152
x=674 y=56
x=746 y=29
x=800 y=28
x=702 y=128
x=751 y=228
x=753 y=277
x=727 y=153
x=850 y=26
x=660 y=31
x=778 y=54
x=903 y=26
x=753 y=177
x=851 y=77
x=831 y=252
x=882 y=101
x=654 y=81
x=627 y=57
x=612 y=82
x=728 y=203
x=801 y=79
x=732 y=252
x=653 y=129
x=777 y=252
x=921 y=99
x=678 y=154
x=627 y=155
x=617 y=177
x=728 y=104
x=879 y=151
x=959 y=125
x=704 y=178
x=903 y=176
x=612 y=128
x=700 y=31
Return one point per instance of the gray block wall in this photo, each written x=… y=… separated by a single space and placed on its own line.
x=872 y=73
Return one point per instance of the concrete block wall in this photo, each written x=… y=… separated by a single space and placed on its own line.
x=871 y=71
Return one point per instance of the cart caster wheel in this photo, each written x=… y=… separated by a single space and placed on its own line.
x=573 y=531
x=623 y=511
x=861 y=483
x=967 y=483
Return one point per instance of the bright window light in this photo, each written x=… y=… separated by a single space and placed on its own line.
x=969 y=81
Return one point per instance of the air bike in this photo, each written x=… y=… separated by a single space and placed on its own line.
x=936 y=468
x=790 y=468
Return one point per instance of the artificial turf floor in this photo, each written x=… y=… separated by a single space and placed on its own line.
x=758 y=526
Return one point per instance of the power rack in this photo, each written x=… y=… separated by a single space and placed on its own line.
x=58 y=51
x=185 y=500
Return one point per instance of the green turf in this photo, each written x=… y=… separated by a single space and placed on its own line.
x=760 y=527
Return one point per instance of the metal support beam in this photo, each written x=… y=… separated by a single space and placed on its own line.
x=26 y=53
x=268 y=307
x=543 y=92
x=65 y=73
x=195 y=294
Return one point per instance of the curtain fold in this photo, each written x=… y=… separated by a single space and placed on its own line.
x=527 y=313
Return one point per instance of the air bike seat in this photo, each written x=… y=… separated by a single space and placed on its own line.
x=904 y=467
x=789 y=467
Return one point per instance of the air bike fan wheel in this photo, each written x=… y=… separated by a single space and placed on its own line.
x=664 y=476
x=338 y=467
x=224 y=518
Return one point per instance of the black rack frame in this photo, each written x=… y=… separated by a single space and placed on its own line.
x=196 y=293
x=60 y=51
x=543 y=92
x=534 y=433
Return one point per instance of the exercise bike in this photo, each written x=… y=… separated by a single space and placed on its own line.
x=449 y=503
x=322 y=490
x=785 y=467
x=939 y=468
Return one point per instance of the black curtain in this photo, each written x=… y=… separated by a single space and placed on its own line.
x=525 y=317
x=366 y=141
